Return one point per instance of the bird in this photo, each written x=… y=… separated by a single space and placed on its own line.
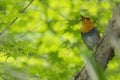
x=89 y=34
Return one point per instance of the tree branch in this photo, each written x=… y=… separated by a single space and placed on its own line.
x=22 y=11
x=8 y=26
x=14 y=20
x=105 y=50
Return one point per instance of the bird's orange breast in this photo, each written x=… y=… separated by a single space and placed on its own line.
x=87 y=25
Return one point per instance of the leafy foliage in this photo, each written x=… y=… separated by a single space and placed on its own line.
x=40 y=39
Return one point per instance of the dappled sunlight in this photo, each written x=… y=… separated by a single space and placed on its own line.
x=41 y=40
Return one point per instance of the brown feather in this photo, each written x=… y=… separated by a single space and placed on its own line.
x=87 y=25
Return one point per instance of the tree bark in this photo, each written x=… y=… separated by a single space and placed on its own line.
x=105 y=49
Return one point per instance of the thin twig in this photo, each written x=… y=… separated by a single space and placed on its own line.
x=14 y=20
x=8 y=26
x=56 y=11
x=29 y=31
x=22 y=11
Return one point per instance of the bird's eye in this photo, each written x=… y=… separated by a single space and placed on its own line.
x=88 y=18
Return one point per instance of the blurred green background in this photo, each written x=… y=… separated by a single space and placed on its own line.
x=44 y=41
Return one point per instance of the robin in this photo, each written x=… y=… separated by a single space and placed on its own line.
x=89 y=33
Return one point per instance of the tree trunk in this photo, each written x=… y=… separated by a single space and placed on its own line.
x=105 y=49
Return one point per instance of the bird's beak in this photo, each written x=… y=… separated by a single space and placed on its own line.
x=81 y=16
